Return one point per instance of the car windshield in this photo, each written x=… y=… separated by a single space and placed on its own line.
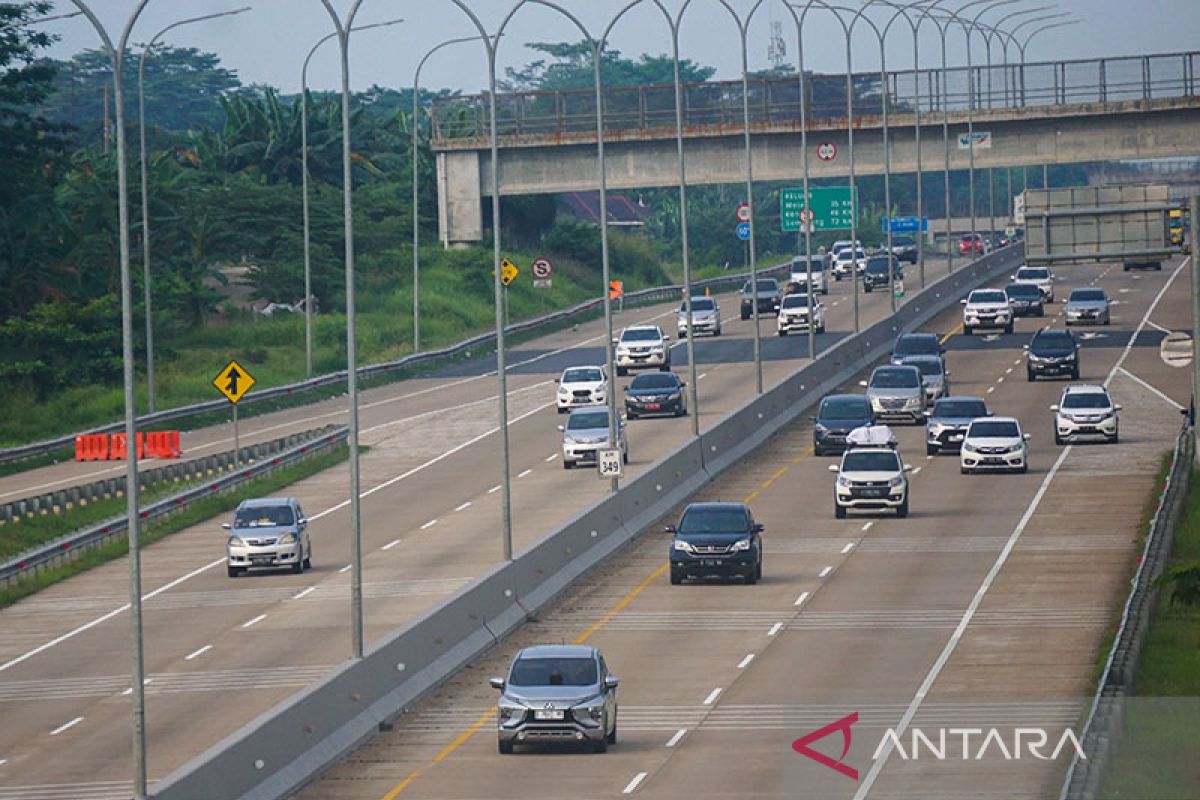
x=1086 y=400
x=713 y=520
x=1022 y=290
x=848 y=255
x=960 y=408
x=902 y=241
x=553 y=672
x=796 y=301
x=997 y=429
x=1087 y=296
x=655 y=380
x=768 y=285
x=989 y=296
x=878 y=265
x=264 y=517
x=902 y=378
x=698 y=304
x=1032 y=274
x=914 y=345
x=845 y=408
x=640 y=335
x=928 y=366
x=582 y=375
x=1053 y=340
x=870 y=461
x=800 y=263
x=588 y=421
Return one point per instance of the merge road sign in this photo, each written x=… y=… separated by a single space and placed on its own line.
x=233 y=381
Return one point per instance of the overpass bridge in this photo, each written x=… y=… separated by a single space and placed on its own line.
x=1033 y=114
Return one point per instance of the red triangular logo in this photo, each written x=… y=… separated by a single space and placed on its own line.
x=801 y=745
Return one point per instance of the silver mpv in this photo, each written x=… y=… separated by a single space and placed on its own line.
x=557 y=693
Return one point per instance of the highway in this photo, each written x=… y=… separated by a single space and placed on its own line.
x=986 y=608
x=219 y=652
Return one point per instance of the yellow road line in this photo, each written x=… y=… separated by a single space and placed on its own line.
x=956 y=330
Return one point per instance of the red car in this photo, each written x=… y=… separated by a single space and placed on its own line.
x=971 y=244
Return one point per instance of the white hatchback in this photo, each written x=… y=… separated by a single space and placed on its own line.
x=994 y=443
x=1086 y=411
x=581 y=386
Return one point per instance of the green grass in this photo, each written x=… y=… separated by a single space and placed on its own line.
x=193 y=514
x=1158 y=745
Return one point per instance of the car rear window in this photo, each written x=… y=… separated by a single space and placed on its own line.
x=928 y=366
x=796 y=301
x=553 y=672
x=698 y=304
x=910 y=345
x=713 y=520
x=1032 y=274
x=1053 y=339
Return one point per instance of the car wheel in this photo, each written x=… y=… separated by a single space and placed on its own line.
x=1024 y=468
x=630 y=415
x=1059 y=440
x=752 y=577
x=1008 y=328
x=822 y=328
x=839 y=512
x=1041 y=311
x=968 y=330
x=745 y=316
x=233 y=572
x=818 y=451
x=902 y=509
x=1029 y=376
x=930 y=450
x=308 y=560
x=612 y=737
x=867 y=288
x=600 y=746
x=1126 y=267
x=504 y=747
x=298 y=567
x=665 y=367
x=783 y=333
x=758 y=572
x=625 y=457
x=568 y=464
x=1116 y=437
x=1107 y=320
x=716 y=332
x=964 y=470
x=621 y=371
x=676 y=577
x=1158 y=267
x=1075 y=374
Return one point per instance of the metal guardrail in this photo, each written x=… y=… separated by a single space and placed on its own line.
x=372 y=370
x=1102 y=730
x=283 y=749
x=64 y=500
x=69 y=546
x=776 y=100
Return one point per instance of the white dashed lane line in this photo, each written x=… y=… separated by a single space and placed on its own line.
x=712 y=696
x=66 y=726
x=390 y=544
x=775 y=629
x=550 y=458
x=254 y=621
x=198 y=653
x=803 y=596
x=867 y=525
x=991 y=389
x=463 y=506
x=429 y=524
x=494 y=489
x=824 y=571
x=745 y=662
x=524 y=473
x=309 y=590
x=674 y=740
x=848 y=548
x=633 y=784
x=345 y=568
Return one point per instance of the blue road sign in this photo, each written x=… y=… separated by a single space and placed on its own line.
x=905 y=224
x=742 y=230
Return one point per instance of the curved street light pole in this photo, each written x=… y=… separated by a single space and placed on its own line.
x=150 y=385
x=416 y=197
x=798 y=20
x=1022 y=46
x=1012 y=37
x=308 y=295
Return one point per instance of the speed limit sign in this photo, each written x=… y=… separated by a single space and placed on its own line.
x=806 y=215
x=827 y=151
x=542 y=268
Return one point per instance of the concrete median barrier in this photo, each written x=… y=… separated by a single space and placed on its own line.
x=294 y=742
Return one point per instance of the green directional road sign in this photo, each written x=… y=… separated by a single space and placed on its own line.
x=832 y=208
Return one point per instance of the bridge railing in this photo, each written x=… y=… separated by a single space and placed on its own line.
x=630 y=111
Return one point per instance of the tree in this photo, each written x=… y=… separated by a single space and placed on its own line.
x=572 y=69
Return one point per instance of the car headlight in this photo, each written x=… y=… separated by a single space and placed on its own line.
x=287 y=538
x=896 y=481
x=510 y=712
x=968 y=447
x=594 y=708
x=570 y=440
x=844 y=481
x=564 y=391
x=674 y=395
x=683 y=546
x=740 y=545
x=1036 y=359
x=821 y=429
x=236 y=541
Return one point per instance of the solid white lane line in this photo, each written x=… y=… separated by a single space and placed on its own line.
x=198 y=653
x=550 y=458
x=1153 y=389
x=746 y=661
x=848 y=548
x=775 y=629
x=66 y=726
x=1154 y=324
x=824 y=571
x=309 y=590
x=254 y=621
x=494 y=489
x=523 y=474
x=867 y=525
x=887 y=746
x=429 y=524
x=390 y=544
x=803 y=596
x=463 y=506
x=633 y=784
x=712 y=696
x=674 y=740
x=345 y=568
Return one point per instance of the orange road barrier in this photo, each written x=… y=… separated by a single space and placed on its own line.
x=162 y=444
x=118 y=450
x=91 y=447
x=616 y=289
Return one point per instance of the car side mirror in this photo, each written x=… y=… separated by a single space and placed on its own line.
x=611 y=682
x=556 y=380
x=862 y=383
x=669 y=528
x=928 y=412
x=759 y=527
x=1027 y=436
x=908 y=467
x=1054 y=407
x=1024 y=347
x=963 y=301
x=1012 y=277
x=227 y=526
x=1117 y=407
x=303 y=520
x=946 y=373
x=814 y=419
x=616 y=341
x=497 y=683
x=834 y=468
x=562 y=427
x=625 y=388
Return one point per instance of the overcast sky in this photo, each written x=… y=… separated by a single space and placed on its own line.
x=267 y=44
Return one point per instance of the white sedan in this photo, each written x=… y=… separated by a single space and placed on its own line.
x=995 y=443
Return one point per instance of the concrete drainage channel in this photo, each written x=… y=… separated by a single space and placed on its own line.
x=286 y=747
x=1102 y=730
x=254 y=461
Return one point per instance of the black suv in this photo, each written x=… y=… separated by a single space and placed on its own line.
x=904 y=248
x=837 y=415
x=767 y=297
x=655 y=393
x=1025 y=300
x=716 y=539
x=916 y=344
x=876 y=273
x=1052 y=353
